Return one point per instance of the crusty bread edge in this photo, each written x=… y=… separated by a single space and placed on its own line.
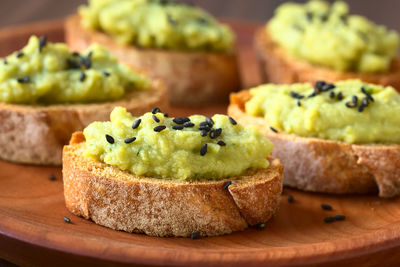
x=161 y=207
x=36 y=134
x=277 y=66
x=319 y=165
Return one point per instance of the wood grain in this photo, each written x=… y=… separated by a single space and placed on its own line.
x=33 y=232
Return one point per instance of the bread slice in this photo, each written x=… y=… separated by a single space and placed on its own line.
x=192 y=78
x=36 y=134
x=160 y=207
x=277 y=66
x=319 y=165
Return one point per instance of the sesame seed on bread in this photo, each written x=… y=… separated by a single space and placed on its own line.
x=165 y=207
x=319 y=165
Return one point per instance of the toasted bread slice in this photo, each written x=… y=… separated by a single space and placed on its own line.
x=319 y=165
x=190 y=77
x=161 y=207
x=36 y=134
x=277 y=66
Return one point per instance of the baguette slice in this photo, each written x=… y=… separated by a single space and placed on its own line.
x=190 y=77
x=277 y=66
x=159 y=207
x=36 y=134
x=319 y=165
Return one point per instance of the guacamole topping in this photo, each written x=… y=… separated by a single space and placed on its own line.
x=327 y=35
x=351 y=111
x=196 y=147
x=157 y=24
x=49 y=73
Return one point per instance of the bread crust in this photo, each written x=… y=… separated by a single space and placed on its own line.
x=36 y=134
x=277 y=66
x=161 y=207
x=192 y=78
x=319 y=165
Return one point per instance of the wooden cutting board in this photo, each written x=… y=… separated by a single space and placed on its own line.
x=33 y=231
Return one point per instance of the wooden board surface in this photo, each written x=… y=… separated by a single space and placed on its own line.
x=33 y=232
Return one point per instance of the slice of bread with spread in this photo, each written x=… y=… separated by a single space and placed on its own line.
x=194 y=70
x=170 y=205
x=317 y=40
x=47 y=94
x=319 y=165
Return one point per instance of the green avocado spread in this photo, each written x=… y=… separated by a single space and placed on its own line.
x=327 y=35
x=196 y=147
x=159 y=24
x=49 y=73
x=350 y=111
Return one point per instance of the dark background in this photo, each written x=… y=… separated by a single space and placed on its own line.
x=13 y=12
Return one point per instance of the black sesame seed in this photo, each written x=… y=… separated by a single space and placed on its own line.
x=290 y=199
x=82 y=77
x=361 y=108
x=232 y=121
x=42 y=42
x=326 y=207
x=214 y=133
x=155 y=110
x=261 y=225
x=178 y=127
x=159 y=128
x=72 y=64
x=86 y=61
x=110 y=139
x=188 y=124
x=312 y=95
x=195 y=235
x=136 y=123
x=354 y=99
x=340 y=96
x=273 y=129
x=203 y=150
x=296 y=95
x=204 y=133
x=155 y=118
x=221 y=143
x=20 y=54
x=340 y=217
x=106 y=73
x=319 y=84
x=166 y=115
x=204 y=124
x=5 y=61
x=332 y=94
x=181 y=120
x=205 y=128
x=227 y=184
x=298 y=103
x=309 y=16
x=75 y=54
x=367 y=94
x=202 y=20
x=350 y=104
x=210 y=121
x=329 y=219
x=52 y=177
x=67 y=220
x=24 y=79
x=130 y=140
x=327 y=87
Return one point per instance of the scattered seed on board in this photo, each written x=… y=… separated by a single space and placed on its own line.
x=110 y=139
x=329 y=219
x=290 y=199
x=261 y=225
x=195 y=235
x=340 y=217
x=52 y=177
x=203 y=150
x=326 y=207
x=227 y=184
x=67 y=220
